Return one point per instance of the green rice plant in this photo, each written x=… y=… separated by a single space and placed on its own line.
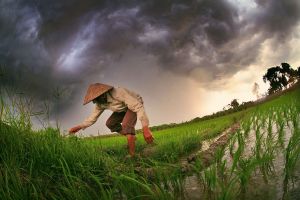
x=241 y=168
x=226 y=182
x=263 y=122
x=177 y=183
x=286 y=116
x=140 y=188
x=246 y=168
x=258 y=143
x=270 y=126
x=246 y=125
x=216 y=181
x=134 y=188
x=267 y=158
x=292 y=153
x=16 y=110
x=209 y=180
x=237 y=155
x=232 y=144
x=228 y=190
x=280 y=127
x=227 y=185
x=107 y=193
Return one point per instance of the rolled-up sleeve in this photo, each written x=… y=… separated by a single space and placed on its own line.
x=134 y=102
x=93 y=117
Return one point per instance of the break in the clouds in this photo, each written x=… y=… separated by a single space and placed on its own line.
x=49 y=44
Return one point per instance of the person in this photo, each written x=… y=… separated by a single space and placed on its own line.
x=126 y=105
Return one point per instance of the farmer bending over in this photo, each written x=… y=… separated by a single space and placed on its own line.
x=126 y=105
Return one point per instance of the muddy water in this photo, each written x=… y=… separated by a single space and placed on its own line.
x=273 y=189
x=257 y=188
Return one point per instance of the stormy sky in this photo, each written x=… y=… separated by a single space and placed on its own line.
x=186 y=58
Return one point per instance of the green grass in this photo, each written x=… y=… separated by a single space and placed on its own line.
x=44 y=165
x=170 y=143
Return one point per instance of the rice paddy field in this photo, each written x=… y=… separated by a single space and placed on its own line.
x=259 y=160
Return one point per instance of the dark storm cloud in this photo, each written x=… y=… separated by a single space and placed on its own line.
x=26 y=63
x=278 y=17
x=196 y=31
x=222 y=41
x=46 y=44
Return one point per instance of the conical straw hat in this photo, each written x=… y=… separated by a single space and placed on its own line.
x=94 y=91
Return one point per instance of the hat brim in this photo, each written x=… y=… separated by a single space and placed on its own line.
x=94 y=91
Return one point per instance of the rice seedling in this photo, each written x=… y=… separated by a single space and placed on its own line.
x=238 y=153
x=280 y=127
x=292 y=153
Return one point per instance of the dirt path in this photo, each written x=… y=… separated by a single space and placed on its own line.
x=206 y=154
x=208 y=149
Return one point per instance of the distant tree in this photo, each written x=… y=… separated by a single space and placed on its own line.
x=290 y=73
x=226 y=107
x=234 y=103
x=255 y=90
x=286 y=68
x=280 y=77
x=247 y=103
x=272 y=76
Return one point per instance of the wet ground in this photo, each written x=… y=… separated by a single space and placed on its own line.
x=258 y=187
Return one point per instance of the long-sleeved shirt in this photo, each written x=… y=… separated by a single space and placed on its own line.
x=118 y=100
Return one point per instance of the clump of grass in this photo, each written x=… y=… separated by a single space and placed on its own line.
x=43 y=164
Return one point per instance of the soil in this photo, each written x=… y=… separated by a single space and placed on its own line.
x=208 y=149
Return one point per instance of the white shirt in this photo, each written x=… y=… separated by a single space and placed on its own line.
x=118 y=100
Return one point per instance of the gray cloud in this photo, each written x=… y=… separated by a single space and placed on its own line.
x=49 y=44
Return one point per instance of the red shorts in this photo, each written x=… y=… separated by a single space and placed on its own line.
x=128 y=119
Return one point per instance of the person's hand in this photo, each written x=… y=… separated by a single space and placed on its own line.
x=147 y=135
x=74 y=129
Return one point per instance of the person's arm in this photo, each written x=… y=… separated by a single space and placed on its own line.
x=134 y=102
x=88 y=121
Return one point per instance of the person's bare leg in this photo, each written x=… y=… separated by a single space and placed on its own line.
x=131 y=144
